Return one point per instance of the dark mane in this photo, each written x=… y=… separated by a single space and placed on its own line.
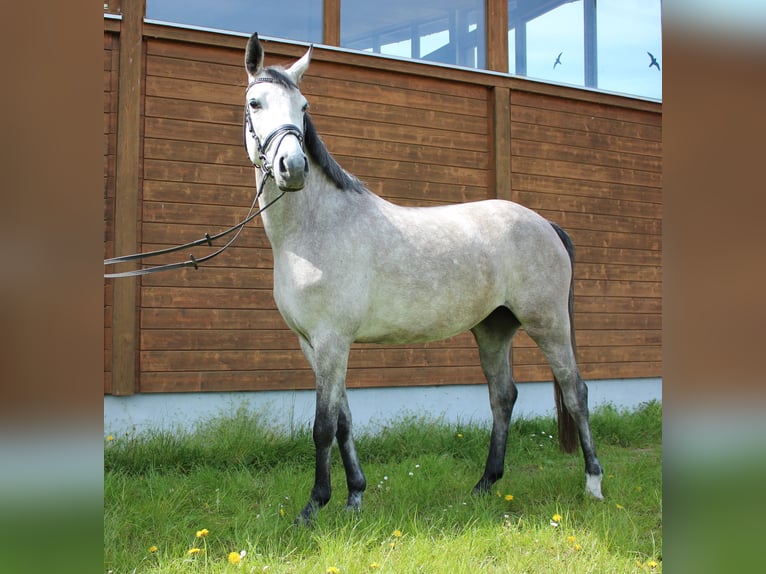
x=332 y=169
x=314 y=144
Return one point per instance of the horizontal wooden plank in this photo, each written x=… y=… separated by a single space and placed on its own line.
x=279 y=359
x=615 y=273
x=594 y=355
x=585 y=108
x=534 y=199
x=584 y=122
x=587 y=139
x=211 y=318
x=599 y=287
x=225 y=338
x=601 y=338
x=537 y=373
x=404 y=116
x=210 y=276
x=388 y=79
x=239 y=197
x=572 y=221
x=193 y=111
x=195 y=51
x=206 y=298
x=433 y=135
x=542 y=183
x=574 y=170
x=190 y=172
x=189 y=68
x=589 y=155
x=194 y=90
x=350 y=89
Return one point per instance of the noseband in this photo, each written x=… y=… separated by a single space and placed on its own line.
x=262 y=162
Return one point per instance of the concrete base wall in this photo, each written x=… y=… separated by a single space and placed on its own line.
x=371 y=408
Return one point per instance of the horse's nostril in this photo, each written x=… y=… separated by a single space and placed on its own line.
x=282 y=165
x=305 y=165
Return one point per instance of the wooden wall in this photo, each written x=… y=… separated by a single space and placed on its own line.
x=417 y=135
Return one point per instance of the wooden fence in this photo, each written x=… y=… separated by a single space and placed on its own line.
x=416 y=134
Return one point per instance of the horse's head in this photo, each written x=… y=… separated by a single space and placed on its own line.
x=274 y=118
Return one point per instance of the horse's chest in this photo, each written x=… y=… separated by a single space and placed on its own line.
x=300 y=289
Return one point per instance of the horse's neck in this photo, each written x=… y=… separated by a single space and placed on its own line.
x=289 y=215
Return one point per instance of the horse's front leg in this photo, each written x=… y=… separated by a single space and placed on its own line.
x=329 y=358
x=354 y=476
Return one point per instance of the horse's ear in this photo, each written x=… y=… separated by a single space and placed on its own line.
x=299 y=68
x=253 y=55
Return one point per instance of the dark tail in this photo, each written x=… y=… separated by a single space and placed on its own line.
x=568 y=432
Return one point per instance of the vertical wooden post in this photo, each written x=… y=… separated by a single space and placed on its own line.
x=501 y=141
x=124 y=291
x=331 y=22
x=497 y=35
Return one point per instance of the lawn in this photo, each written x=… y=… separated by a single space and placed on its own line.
x=223 y=499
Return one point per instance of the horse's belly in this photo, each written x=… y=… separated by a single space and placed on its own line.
x=424 y=319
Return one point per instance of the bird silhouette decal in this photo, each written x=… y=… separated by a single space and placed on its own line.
x=558 y=60
x=654 y=61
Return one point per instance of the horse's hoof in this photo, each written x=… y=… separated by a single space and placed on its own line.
x=306 y=517
x=593 y=486
x=354 y=502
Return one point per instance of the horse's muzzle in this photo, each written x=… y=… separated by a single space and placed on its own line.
x=292 y=172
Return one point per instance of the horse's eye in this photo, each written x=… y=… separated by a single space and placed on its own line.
x=305 y=108
x=254 y=105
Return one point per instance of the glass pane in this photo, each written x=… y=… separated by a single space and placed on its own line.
x=555 y=45
x=302 y=21
x=628 y=30
x=450 y=32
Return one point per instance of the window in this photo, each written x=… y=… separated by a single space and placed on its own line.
x=296 y=19
x=449 y=32
x=628 y=31
x=601 y=44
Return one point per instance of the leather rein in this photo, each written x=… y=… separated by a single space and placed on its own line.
x=266 y=168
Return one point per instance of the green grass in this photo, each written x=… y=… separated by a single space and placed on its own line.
x=246 y=483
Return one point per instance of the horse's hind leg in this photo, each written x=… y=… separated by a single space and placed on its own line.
x=493 y=336
x=558 y=349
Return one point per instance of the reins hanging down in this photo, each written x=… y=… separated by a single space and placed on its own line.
x=192 y=261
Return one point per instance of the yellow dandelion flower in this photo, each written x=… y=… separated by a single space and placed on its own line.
x=234 y=558
x=110 y=438
x=619 y=506
x=571 y=539
x=202 y=533
x=499 y=494
x=193 y=551
x=153 y=549
x=556 y=518
x=509 y=497
x=396 y=533
x=459 y=435
x=282 y=512
x=333 y=570
x=374 y=566
x=652 y=563
x=577 y=547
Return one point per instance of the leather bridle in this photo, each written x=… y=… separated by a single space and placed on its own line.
x=278 y=134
